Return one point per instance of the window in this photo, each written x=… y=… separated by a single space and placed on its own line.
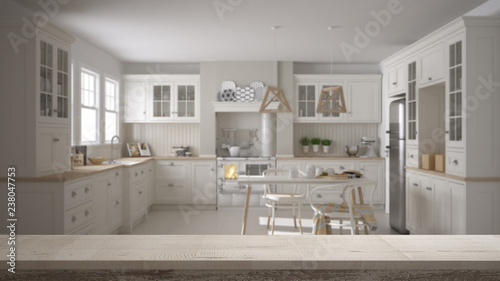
x=90 y=106
x=111 y=109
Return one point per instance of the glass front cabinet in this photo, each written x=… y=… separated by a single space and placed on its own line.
x=454 y=95
x=174 y=101
x=53 y=81
x=412 y=105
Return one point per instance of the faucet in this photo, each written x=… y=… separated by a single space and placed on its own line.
x=112 y=160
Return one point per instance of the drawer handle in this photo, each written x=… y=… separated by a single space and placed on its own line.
x=430 y=78
x=411 y=156
x=212 y=169
x=73 y=219
x=73 y=194
x=150 y=170
x=455 y=162
x=342 y=167
x=109 y=184
x=170 y=184
x=415 y=184
x=117 y=174
x=140 y=192
x=394 y=83
x=87 y=189
x=87 y=213
x=171 y=163
x=56 y=139
x=428 y=188
x=117 y=203
x=136 y=174
x=142 y=172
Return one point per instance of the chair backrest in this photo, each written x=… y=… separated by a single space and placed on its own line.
x=351 y=193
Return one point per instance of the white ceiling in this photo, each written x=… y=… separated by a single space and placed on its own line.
x=156 y=31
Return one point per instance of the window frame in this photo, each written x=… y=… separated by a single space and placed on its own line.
x=95 y=107
x=116 y=82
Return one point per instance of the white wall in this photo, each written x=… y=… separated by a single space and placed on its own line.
x=86 y=55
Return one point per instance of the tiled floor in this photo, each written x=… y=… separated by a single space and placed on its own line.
x=200 y=220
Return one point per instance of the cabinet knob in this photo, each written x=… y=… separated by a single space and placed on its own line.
x=411 y=156
x=455 y=162
x=73 y=219
x=170 y=184
x=109 y=184
x=342 y=167
x=447 y=132
x=430 y=78
x=394 y=83
x=117 y=203
x=73 y=194
x=212 y=169
x=87 y=189
x=415 y=184
x=142 y=172
x=136 y=174
x=140 y=192
x=117 y=174
x=416 y=132
x=56 y=139
x=171 y=163
x=428 y=188
x=87 y=213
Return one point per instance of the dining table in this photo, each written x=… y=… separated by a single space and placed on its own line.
x=248 y=181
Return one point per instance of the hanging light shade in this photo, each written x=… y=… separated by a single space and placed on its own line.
x=335 y=95
x=274 y=94
x=331 y=99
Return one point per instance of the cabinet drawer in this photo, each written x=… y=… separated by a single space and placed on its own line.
x=171 y=170
x=171 y=192
x=412 y=157
x=137 y=173
x=455 y=163
x=338 y=166
x=77 y=193
x=78 y=216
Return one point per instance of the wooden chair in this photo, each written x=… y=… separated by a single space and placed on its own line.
x=281 y=200
x=351 y=195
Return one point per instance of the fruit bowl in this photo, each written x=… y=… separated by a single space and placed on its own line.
x=96 y=160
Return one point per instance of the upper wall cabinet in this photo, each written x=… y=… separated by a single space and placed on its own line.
x=432 y=66
x=396 y=79
x=162 y=98
x=361 y=94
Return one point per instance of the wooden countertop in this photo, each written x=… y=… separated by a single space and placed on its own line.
x=235 y=252
x=90 y=170
x=444 y=175
x=329 y=158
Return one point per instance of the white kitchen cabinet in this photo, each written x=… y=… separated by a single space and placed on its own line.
x=458 y=209
x=412 y=105
x=150 y=176
x=203 y=182
x=134 y=99
x=101 y=204
x=107 y=202
x=362 y=95
x=373 y=170
x=364 y=101
x=432 y=66
x=135 y=198
x=396 y=79
x=138 y=201
x=442 y=207
x=162 y=98
x=412 y=202
x=426 y=207
x=35 y=85
x=172 y=182
x=53 y=150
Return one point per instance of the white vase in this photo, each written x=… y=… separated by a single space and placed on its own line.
x=326 y=148
x=315 y=147
x=305 y=148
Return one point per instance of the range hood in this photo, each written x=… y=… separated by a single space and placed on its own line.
x=227 y=106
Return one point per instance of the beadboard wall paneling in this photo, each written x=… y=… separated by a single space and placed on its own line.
x=340 y=134
x=161 y=137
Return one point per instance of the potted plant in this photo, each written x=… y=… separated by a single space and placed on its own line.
x=326 y=145
x=315 y=143
x=305 y=144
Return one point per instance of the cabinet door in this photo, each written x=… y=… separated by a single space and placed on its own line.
x=138 y=199
x=457 y=210
x=203 y=182
x=135 y=101
x=186 y=102
x=454 y=95
x=52 y=150
x=432 y=66
x=412 y=105
x=442 y=207
x=374 y=170
x=171 y=192
x=364 y=101
x=396 y=80
x=331 y=105
x=412 y=202
x=101 y=204
x=306 y=101
x=162 y=101
x=427 y=205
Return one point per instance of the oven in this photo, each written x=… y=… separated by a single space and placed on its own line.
x=231 y=194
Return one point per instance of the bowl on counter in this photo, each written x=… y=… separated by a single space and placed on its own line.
x=96 y=160
x=351 y=150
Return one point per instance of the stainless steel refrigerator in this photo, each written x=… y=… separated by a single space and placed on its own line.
x=397 y=176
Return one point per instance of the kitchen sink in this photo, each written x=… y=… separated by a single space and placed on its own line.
x=120 y=162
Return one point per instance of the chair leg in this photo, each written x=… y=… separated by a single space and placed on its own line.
x=340 y=227
x=268 y=217
x=300 y=220
x=294 y=218
x=356 y=228
x=274 y=219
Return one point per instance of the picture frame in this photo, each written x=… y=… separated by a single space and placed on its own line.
x=133 y=149
x=144 y=149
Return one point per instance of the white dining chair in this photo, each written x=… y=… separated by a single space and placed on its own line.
x=352 y=196
x=282 y=200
